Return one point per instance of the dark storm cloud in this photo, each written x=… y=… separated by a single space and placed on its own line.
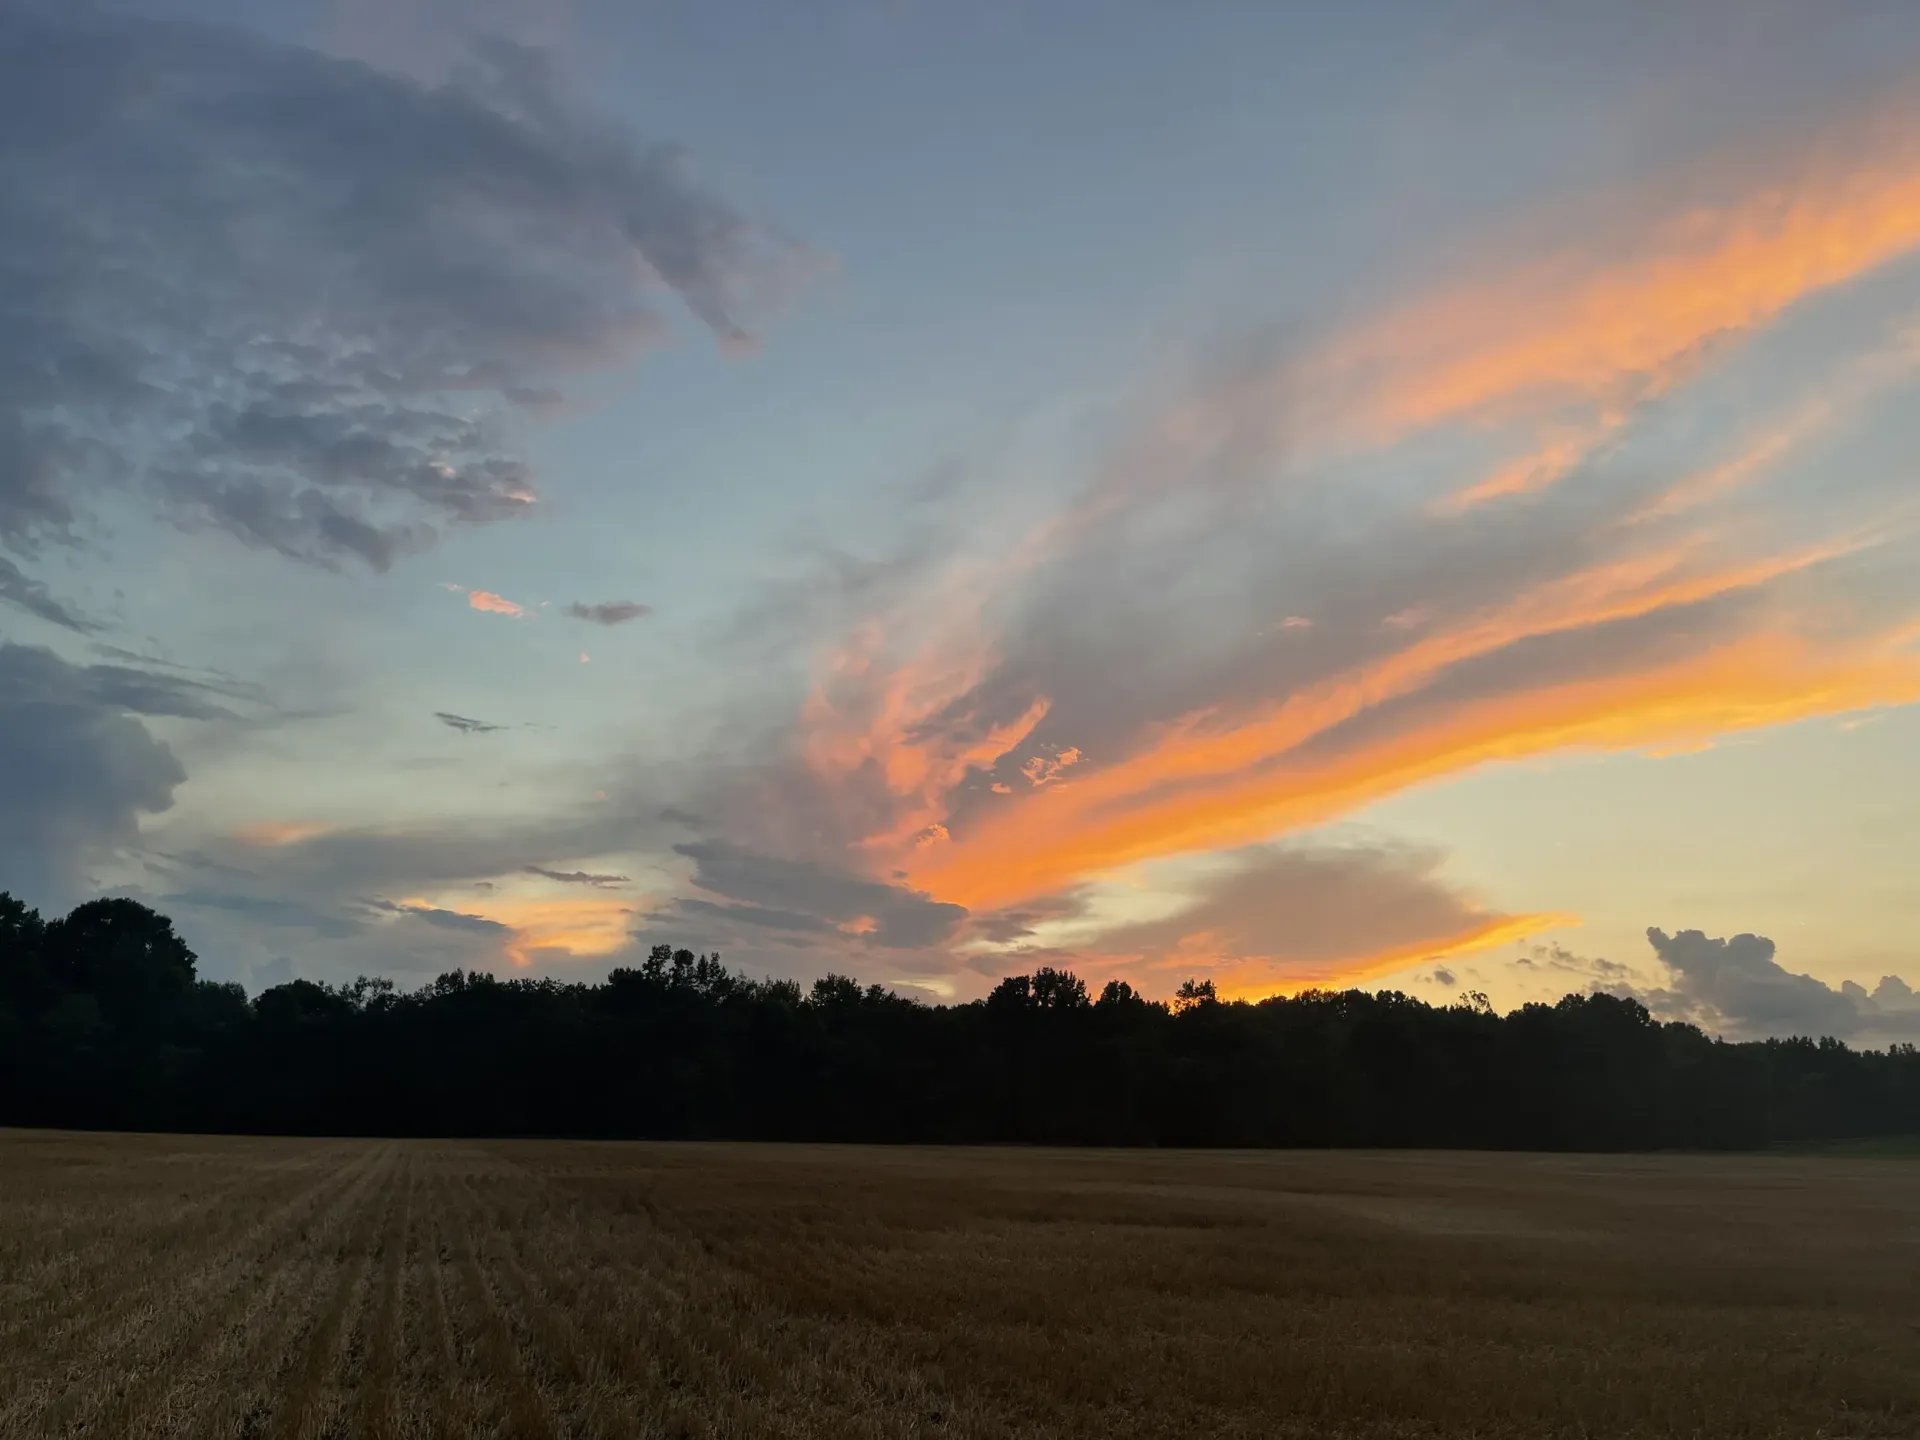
x=1736 y=986
x=292 y=297
x=611 y=612
x=465 y=724
x=77 y=769
x=766 y=886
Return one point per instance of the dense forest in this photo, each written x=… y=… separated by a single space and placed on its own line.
x=103 y=1023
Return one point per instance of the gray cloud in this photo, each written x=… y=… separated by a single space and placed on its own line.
x=77 y=769
x=610 y=612
x=1558 y=961
x=1307 y=908
x=1735 y=986
x=465 y=724
x=763 y=887
x=458 y=920
x=297 y=299
x=580 y=877
x=21 y=589
x=268 y=910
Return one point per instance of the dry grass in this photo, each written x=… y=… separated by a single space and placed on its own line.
x=166 y=1285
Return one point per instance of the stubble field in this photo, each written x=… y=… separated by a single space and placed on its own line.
x=187 y=1285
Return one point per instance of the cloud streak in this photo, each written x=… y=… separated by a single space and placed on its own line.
x=1235 y=639
x=24 y=592
x=580 y=877
x=465 y=724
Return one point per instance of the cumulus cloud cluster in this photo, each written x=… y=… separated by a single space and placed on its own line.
x=1736 y=986
x=78 y=768
x=296 y=298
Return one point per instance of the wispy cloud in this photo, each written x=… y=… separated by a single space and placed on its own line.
x=534 y=928
x=1612 y=325
x=280 y=832
x=19 y=589
x=1156 y=630
x=580 y=877
x=465 y=724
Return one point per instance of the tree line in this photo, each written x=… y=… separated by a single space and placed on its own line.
x=104 y=1023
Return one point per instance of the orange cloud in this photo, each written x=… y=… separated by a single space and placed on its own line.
x=1579 y=326
x=583 y=924
x=1535 y=470
x=493 y=604
x=280 y=832
x=1240 y=976
x=1210 y=780
x=868 y=717
x=1561 y=353
x=1564 y=347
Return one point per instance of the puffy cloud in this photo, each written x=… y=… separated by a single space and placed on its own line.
x=77 y=768
x=609 y=612
x=298 y=299
x=492 y=604
x=1736 y=986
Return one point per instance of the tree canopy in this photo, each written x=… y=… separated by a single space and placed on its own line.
x=104 y=1023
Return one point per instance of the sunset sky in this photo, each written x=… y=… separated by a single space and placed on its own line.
x=1409 y=495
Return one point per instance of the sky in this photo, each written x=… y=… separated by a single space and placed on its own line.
x=1410 y=495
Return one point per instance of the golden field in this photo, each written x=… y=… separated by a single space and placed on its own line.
x=161 y=1285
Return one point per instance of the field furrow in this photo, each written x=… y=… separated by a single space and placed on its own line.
x=160 y=1316
x=520 y=1410
x=380 y=1355
x=313 y=1392
x=257 y=1289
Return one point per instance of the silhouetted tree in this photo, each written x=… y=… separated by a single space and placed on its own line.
x=103 y=1022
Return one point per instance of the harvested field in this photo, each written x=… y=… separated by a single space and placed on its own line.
x=259 y=1287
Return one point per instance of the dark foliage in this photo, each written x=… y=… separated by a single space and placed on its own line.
x=102 y=1023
